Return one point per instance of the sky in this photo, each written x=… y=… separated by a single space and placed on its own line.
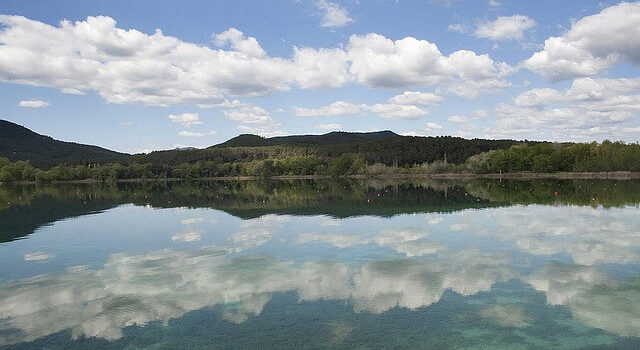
x=137 y=76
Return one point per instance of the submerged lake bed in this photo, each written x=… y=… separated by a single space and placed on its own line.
x=478 y=263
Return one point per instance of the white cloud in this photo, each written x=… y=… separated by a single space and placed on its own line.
x=256 y=121
x=334 y=109
x=223 y=104
x=407 y=105
x=247 y=46
x=590 y=109
x=126 y=123
x=433 y=126
x=187 y=133
x=384 y=110
x=333 y=15
x=329 y=126
x=394 y=111
x=505 y=27
x=493 y=3
x=593 y=43
x=128 y=66
x=381 y=62
x=416 y=98
x=33 y=104
x=320 y=68
x=249 y=115
x=186 y=119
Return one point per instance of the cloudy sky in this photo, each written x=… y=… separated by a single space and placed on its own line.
x=145 y=75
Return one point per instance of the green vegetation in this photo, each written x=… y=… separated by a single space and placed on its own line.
x=33 y=157
x=548 y=158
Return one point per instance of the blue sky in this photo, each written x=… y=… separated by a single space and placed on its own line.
x=101 y=73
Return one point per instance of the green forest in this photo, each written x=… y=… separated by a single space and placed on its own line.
x=374 y=158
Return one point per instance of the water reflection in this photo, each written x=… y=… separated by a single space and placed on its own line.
x=483 y=263
x=166 y=284
x=592 y=296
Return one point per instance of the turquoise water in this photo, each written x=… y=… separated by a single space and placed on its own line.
x=334 y=264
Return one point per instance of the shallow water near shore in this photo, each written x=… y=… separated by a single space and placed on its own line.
x=478 y=263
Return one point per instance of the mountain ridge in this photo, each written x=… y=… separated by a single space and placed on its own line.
x=251 y=140
x=20 y=143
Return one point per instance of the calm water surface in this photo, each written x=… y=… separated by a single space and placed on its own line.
x=331 y=264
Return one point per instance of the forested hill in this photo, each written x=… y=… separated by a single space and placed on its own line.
x=336 y=137
x=384 y=147
x=20 y=143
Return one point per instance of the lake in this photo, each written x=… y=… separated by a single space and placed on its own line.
x=500 y=264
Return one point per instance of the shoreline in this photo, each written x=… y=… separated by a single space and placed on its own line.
x=612 y=175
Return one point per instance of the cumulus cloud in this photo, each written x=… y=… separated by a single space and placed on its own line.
x=377 y=61
x=333 y=15
x=33 y=104
x=249 y=115
x=407 y=105
x=395 y=111
x=590 y=109
x=255 y=120
x=247 y=46
x=320 y=68
x=186 y=119
x=129 y=66
x=126 y=66
x=593 y=43
x=416 y=98
x=505 y=28
x=384 y=110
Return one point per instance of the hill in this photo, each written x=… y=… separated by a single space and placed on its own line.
x=335 y=137
x=20 y=143
x=384 y=147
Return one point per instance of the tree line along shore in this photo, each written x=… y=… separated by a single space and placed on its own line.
x=541 y=159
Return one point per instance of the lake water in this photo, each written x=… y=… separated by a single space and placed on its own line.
x=483 y=264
